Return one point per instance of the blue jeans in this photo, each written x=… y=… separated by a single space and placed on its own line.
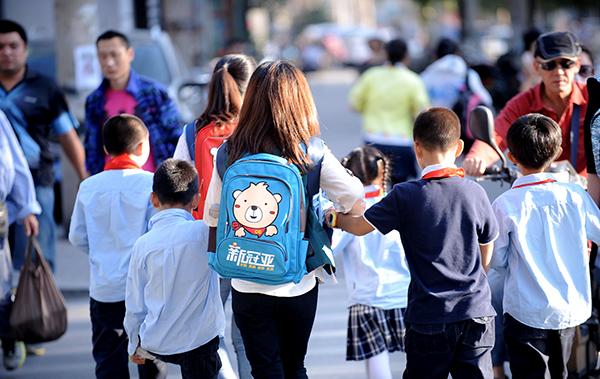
x=459 y=348
x=402 y=159
x=47 y=234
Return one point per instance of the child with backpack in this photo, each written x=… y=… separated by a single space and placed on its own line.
x=111 y=211
x=174 y=310
x=198 y=144
x=447 y=228
x=261 y=215
x=545 y=226
x=376 y=275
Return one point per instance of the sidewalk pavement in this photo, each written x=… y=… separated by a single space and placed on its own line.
x=72 y=268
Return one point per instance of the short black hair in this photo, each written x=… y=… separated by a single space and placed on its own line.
x=110 y=34
x=122 y=133
x=175 y=182
x=445 y=47
x=534 y=140
x=396 y=50
x=437 y=129
x=9 y=26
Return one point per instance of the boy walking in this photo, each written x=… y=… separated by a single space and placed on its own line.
x=447 y=229
x=111 y=211
x=174 y=309
x=544 y=229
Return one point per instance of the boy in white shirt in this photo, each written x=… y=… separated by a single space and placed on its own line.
x=174 y=310
x=111 y=211
x=545 y=226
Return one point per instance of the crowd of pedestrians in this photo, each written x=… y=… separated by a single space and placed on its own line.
x=426 y=256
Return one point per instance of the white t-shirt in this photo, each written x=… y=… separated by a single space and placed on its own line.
x=343 y=189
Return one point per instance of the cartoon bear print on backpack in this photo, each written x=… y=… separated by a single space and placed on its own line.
x=255 y=210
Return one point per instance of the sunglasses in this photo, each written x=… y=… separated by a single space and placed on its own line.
x=586 y=70
x=551 y=65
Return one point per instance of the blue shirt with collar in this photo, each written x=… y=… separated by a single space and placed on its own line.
x=111 y=211
x=154 y=107
x=16 y=184
x=173 y=303
x=544 y=229
x=441 y=222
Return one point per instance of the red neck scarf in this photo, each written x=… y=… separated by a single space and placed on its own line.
x=444 y=173
x=120 y=162
x=535 y=183
x=375 y=193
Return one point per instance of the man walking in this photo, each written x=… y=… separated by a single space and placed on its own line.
x=37 y=111
x=125 y=91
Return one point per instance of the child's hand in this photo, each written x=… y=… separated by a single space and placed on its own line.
x=137 y=359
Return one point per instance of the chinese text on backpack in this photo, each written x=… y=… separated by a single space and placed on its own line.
x=262 y=220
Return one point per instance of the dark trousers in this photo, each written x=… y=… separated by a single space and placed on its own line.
x=201 y=363
x=462 y=349
x=537 y=353
x=402 y=159
x=109 y=344
x=275 y=331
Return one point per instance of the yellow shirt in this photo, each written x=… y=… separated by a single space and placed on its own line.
x=389 y=98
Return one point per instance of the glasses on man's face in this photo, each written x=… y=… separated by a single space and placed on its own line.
x=565 y=64
x=586 y=70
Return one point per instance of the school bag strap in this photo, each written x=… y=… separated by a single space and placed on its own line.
x=189 y=131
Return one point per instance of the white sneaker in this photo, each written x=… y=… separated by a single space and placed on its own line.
x=16 y=358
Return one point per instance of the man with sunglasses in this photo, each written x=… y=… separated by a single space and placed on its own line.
x=558 y=96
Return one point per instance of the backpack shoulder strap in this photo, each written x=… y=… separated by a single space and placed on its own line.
x=316 y=151
x=575 y=134
x=221 y=159
x=190 y=138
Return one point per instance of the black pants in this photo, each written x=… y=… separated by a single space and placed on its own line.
x=537 y=353
x=275 y=331
x=201 y=363
x=110 y=344
x=462 y=349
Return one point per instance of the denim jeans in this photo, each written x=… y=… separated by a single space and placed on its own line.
x=462 y=349
x=402 y=159
x=201 y=363
x=537 y=353
x=47 y=232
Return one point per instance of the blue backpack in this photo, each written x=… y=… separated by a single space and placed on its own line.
x=265 y=206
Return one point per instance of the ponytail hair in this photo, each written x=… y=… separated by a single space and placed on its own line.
x=363 y=162
x=226 y=90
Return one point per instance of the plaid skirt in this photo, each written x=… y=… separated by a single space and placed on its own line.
x=372 y=331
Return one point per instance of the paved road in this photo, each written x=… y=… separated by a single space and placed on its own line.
x=70 y=357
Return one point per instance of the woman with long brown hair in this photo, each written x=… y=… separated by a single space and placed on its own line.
x=220 y=117
x=279 y=117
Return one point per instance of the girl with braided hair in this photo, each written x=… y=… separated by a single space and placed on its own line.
x=376 y=274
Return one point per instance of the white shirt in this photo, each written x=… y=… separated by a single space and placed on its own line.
x=111 y=211
x=375 y=267
x=182 y=150
x=544 y=229
x=340 y=187
x=173 y=303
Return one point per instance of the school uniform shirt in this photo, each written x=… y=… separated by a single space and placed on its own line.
x=375 y=268
x=441 y=222
x=544 y=229
x=173 y=303
x=111 y=212
x=340 y=187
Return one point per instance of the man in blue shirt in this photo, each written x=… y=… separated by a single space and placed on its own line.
x=124 y=91
x=448 y=230
x=17 y=203
x=38 y=112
